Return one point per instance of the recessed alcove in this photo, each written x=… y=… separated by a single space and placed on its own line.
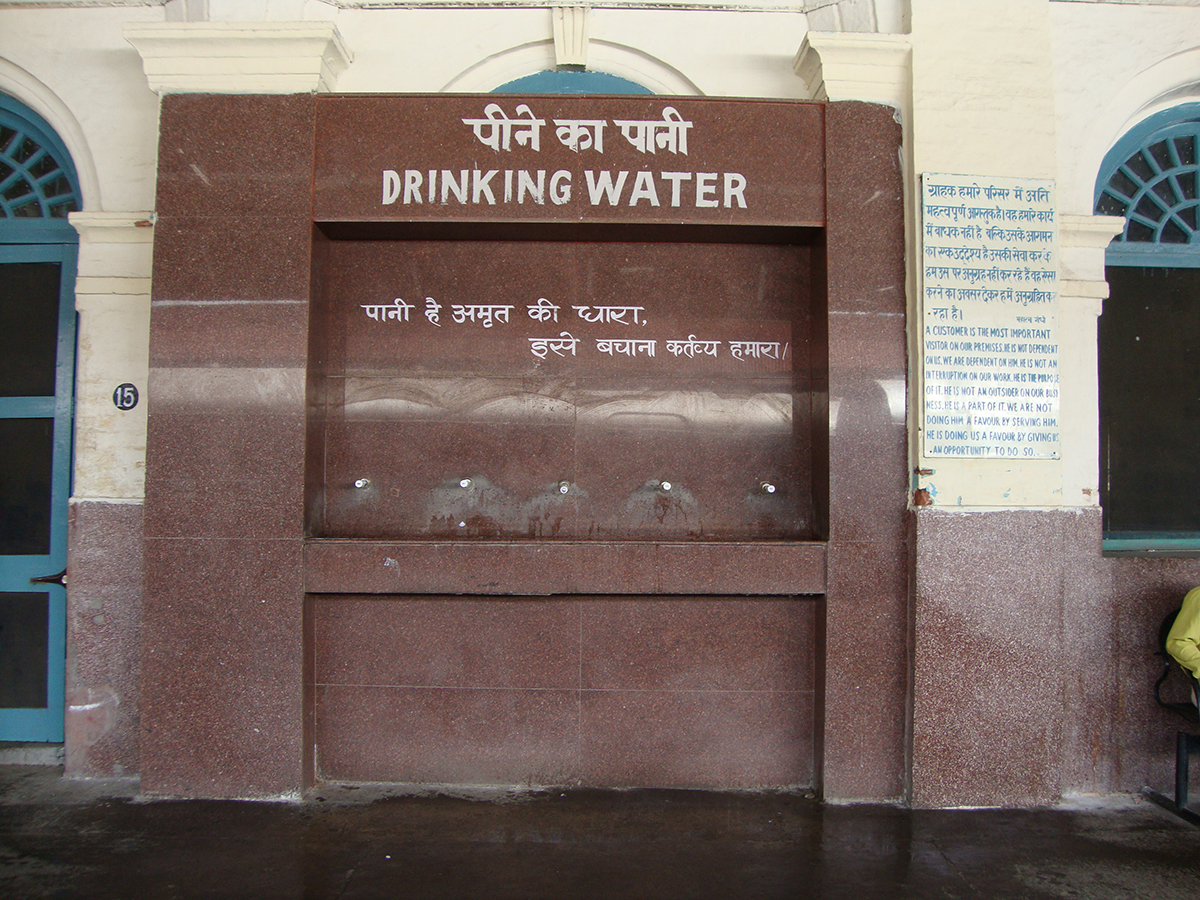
x=522 y=383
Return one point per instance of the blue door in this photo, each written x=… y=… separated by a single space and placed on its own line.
x=37 y=367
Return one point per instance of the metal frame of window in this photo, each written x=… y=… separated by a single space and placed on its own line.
x=38 y=183
x=36 y=169
x=1151 y=177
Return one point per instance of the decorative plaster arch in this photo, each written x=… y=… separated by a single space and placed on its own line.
x=1167 y=83
x=22 y=86
x=603 y=56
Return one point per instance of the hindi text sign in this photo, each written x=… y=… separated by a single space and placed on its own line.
x=989 y=328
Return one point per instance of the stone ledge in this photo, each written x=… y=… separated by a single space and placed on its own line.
x=15 y=753
x=114 y=227
x=1082 y=241
x=239 y=57
x=872 y=68
x=1089 y=231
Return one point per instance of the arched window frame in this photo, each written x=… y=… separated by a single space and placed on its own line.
x=571 y=81
x=49 y=227
x=1150 y=177
x=1152 y=169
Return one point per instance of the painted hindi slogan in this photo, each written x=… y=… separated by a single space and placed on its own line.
x=989 y=339
x=565 y=343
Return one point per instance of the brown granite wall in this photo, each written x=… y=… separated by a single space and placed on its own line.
x=988 y=661
x=697 y=692
x=222 y=668
x=104 y=632
x=241 y=679
x=1140 y=748
x=1035 y=660
x=866 y=621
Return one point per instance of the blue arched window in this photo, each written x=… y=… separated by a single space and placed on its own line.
x=1151 y=178
x=569 y=81
x=37 y=180
x=1149 y=337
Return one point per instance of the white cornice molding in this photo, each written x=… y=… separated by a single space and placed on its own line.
x=115 y=259
x=842 y=66
x=1081 y=244
x=1088 y=231
x=114 y=227
x=239 y=57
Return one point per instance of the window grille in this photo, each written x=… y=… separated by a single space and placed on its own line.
x=1152 y=179
x=35 y=181
x=1148 y=370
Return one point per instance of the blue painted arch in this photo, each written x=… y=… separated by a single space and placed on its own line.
x=570 y=81
x=1151 y=177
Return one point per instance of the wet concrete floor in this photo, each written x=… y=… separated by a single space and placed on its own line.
x=67 y=839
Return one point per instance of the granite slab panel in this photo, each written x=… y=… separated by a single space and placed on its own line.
x=716 y=478
x=865 y=219
x=864 y=706
x=988 y=661
x=697 y=644
x=865 y=677
x=235 y=155
x=254 y=333
x=447 y=735
x=104 y=639
x=582 y=567
x=1090 y=763
x=224 y=474
x=218 y=261
x=431 y=396
x=446 y=642
x=696 y=739
x=782 y=172
x=415 y=472
x=222 y=668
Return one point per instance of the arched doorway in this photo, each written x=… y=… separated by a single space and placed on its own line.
x=1149 y=411
x=38 y=248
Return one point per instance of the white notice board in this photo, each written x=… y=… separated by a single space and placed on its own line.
x=989 y=342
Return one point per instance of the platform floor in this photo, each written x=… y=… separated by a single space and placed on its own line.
x=65 y=839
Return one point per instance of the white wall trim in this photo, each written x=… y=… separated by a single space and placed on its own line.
x=1082 y=241
x=114 y=227
x=239 y=57
x=20 y=84
x=571 y=34
x=603 y=56
x=1167 y=83
x=871 y=67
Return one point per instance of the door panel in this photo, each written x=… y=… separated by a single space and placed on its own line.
x=29 y=316
x=37 y=363
x=25 y=486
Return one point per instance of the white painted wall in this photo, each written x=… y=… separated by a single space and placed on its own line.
x=79 y=57
x=112 y=297
x=1114 y=65
x=73 y=67
x=982 y=104
x=1043 y=89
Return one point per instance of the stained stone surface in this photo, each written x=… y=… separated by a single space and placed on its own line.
x=67 y=839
